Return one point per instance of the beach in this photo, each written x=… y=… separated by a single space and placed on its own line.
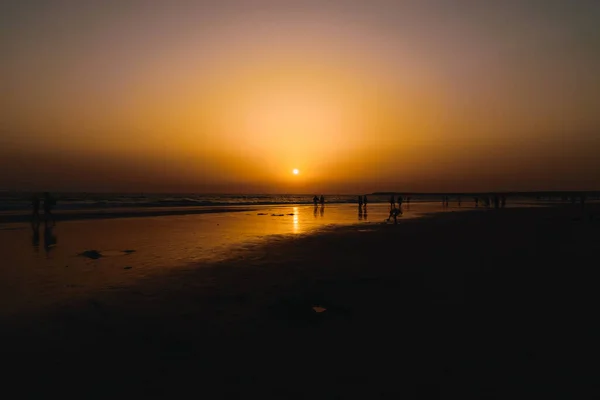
x=480 y=303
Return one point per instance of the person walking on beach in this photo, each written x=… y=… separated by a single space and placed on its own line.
x=360 y=202
x=316 y=200
x=322 y=200
x=392 y=203
x=400 y=200
x=394 y=212
x=365 y=200
x=49 y=202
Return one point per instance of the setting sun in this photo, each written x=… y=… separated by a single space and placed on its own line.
x=295 y=171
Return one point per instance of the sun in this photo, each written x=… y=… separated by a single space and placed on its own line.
x=295 y=171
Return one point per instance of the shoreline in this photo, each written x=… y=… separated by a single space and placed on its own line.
x=20 y=216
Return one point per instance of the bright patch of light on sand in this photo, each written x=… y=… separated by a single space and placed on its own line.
x=295 y=171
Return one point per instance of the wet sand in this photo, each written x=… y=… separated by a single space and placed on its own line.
x=480 y=304
x=45 y=264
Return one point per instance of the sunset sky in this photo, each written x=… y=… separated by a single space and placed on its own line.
x=359 y=96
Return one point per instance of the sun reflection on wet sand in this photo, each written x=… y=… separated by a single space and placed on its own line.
x=295 y=225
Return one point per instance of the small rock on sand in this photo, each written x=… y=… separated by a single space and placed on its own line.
x=93 y=254
x=127 y=267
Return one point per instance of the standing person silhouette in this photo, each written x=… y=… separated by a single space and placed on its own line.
x=394 y=213
x=365 y=200
x=392 y=202
x=49 y=202
x=400 y=200
x=360 y=203
x=315 y=200
x=322 y=200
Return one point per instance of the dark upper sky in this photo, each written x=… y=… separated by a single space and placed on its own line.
x=358 y=95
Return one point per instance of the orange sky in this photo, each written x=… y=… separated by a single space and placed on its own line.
x=231 y=96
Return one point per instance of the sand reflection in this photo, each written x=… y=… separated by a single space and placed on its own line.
x=295 y=224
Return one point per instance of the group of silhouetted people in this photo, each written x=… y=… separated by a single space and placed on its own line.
x=498 y=201
x=49 y=203
x=396 y=212
x=317 y=200
x=362 y=202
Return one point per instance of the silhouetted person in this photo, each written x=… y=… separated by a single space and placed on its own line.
x=49 y=202
x=476 y=200
x=392 y=202
x=35 y=205
x=35 y=238
x=316 y=200
x=365 y=201
x=322 y=200
x=360 y=202
x=394 y=212
x=400 y=200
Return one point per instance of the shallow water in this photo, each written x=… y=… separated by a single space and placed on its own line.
x=40 y=267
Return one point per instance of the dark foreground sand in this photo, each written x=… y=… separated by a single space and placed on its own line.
x=477 y=304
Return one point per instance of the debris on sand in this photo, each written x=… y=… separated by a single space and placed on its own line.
x=291 y=214
x=128 y=251
x=262 y=214
x=127 y=267
x=319 y=309
x=276 y=215
x=93 y=254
